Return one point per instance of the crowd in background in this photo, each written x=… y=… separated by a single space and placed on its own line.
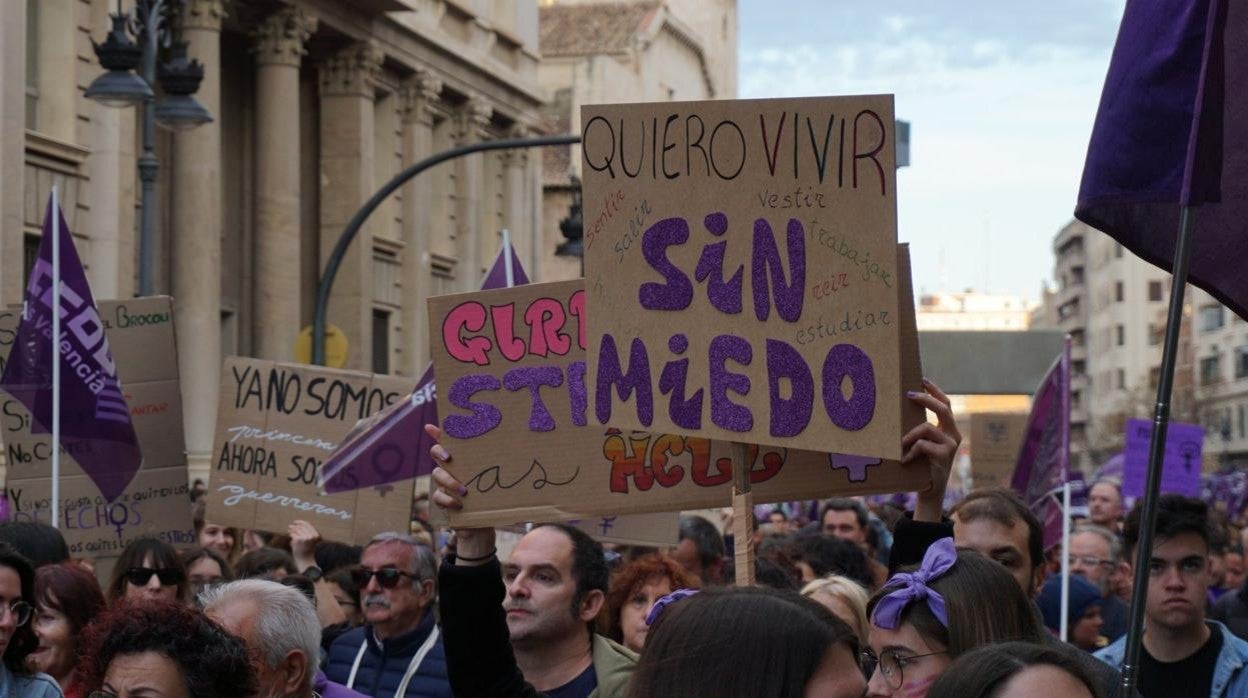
x=850 y=599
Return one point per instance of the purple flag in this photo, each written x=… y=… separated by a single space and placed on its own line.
x=1043 y=464
x=95 y=421
x=1180 y=465
x=376 y=451
x=1170 y=133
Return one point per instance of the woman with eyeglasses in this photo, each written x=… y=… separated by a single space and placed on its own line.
x=17 y=638
x=149 y=569
x=67 y=599
x=154 y=648
x=206 y=569
x=925 y=618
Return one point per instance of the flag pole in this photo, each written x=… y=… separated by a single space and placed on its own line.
x=55 y=212
x=1065 y=624
x=507 y=270
x=1157 y=449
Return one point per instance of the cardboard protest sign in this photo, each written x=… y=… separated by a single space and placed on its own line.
x=516 y=417
x=996 y=438
x=276 y=425
x=156 y=503
x=741 y=271
x=1180 y=466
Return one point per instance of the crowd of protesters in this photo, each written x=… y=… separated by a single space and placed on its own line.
x=849 y=600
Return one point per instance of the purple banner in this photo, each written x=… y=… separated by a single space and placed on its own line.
x=1180 y=466
x=372 y=454
x=95 y=422
x=1044 y=460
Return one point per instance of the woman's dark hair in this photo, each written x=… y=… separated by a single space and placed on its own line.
x=827 y=555
x=332 y=555
x=983 y=602
x=694 y=647
x=629 y=580
x=213 y=663
x=190 y=557
x=39 y=543
x=983 y=672
x=263 y=561
x=72 y=590
x=344 y=581
x=23 y=641
x=136 y=554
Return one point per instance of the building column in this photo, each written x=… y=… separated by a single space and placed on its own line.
x=348 y=88
x=515 y=198
x=474 y=117
x=196 y=240
x=419 y=94
x=279 y=49
x=12 y=148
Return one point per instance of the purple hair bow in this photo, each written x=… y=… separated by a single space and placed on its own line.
x=666 y=601
x=908 y=587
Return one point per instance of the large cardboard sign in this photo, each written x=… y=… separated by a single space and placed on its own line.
x=141 y=334
x=276 y=425
x=741 y=271
x=1180 y=465
x=517 y=418
x=995 y=440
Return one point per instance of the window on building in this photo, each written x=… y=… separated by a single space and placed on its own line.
x=1120 y=335
x=1210 y=371
x=1156 y=334
x=1241 y=361
x=381 y=341
x=30 y=252
x=1212 y=317
x=1154 y=291
x=1120 y=381
x=1118 y=292
x=229 y=332
x=1239 y=419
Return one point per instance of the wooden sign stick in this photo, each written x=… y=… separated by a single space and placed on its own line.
x=742 y=515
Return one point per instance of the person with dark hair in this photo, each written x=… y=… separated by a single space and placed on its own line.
x=634 y=589
x=17 y=638
x=347 y=594
x=1015 y=670
x=1083 y=613
x=164 y=649
x=149 y=568
x=700 y=549
x=923 y=619
x=266 y=563
x=331 y=556
x=824 y=555
x=848 y=520
x=223 y=539
x=769 y=573
x=796 y=648
x=39 y=543
x=399 y=651
x=67 y=600
x=1182 y=652
x=525 y=628
x=206 y=569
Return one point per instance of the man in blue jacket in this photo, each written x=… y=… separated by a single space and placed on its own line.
x=398 y=652
x=1183 y=654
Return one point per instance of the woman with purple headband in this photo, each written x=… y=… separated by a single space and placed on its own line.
x=924 y=618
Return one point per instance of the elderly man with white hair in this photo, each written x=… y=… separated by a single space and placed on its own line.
x=280 y=627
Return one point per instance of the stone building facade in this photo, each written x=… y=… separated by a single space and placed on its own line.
x=317 y=103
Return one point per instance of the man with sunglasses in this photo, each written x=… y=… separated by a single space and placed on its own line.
x=398 y=652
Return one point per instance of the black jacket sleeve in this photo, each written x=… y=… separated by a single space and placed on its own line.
x=479 y=660
x=911 y=540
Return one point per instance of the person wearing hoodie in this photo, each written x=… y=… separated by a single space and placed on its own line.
x=1083 y=615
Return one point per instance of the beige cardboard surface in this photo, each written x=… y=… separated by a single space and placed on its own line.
x=276 y=424
x=519 y=470
x=745 y=249
x=995 y=440
x=658 y=530
x=142 y=339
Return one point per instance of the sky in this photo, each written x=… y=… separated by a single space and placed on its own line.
x=1000 y=96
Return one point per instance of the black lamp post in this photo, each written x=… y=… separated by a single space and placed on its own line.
x=122 y=86
x=572 y=228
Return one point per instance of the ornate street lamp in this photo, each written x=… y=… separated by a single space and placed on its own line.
x=572 y=228
x=121 y=86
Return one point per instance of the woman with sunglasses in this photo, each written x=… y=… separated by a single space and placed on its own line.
x=17 y=638
x=67 y=599
x=923 y=619
x=149 y=569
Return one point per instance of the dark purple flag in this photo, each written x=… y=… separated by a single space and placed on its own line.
x=95 y=422
x=1043 y=464
x=392 y=445
x=1170 y=133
